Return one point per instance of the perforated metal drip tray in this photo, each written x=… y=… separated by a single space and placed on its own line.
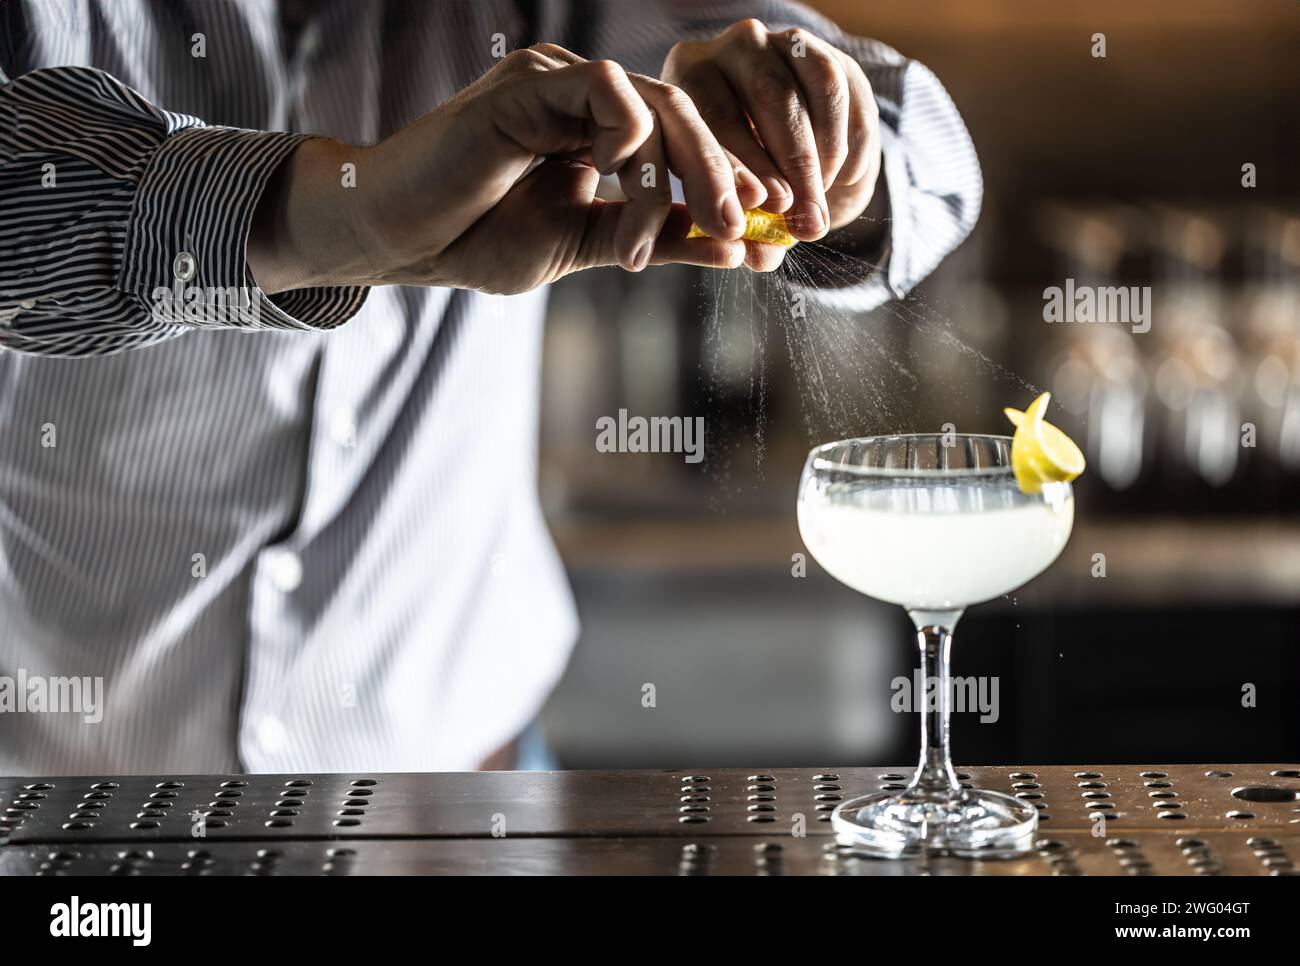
x=1070 y=853
x=1158 y=819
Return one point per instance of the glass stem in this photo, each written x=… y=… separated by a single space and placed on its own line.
x=934 y=775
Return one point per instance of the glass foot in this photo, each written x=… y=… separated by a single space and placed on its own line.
x=971 y=823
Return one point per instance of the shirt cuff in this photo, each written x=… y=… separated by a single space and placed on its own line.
x=898 y=268
x=185 y=243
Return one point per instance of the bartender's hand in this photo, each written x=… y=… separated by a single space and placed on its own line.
x=495 y=189
x=793 y=110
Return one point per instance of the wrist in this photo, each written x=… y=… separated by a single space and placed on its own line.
x=312 y=227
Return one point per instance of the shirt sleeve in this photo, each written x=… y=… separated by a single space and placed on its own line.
x=930 y=170
x=122 y=224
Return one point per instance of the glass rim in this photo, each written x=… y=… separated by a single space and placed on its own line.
x=821 y=464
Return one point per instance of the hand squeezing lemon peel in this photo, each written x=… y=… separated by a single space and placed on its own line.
x=767 y=227
x=1041 y=453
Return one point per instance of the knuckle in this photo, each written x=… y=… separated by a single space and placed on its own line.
x=526 y=58
x=683 y=50
x=551 y=50
x=718 y=168
x=748 y=30
x=834 y=152
x=678 y=101
x=801 y=166
x=606 y=72
x=819 y=67
x=804 y=45
x=825 y=82
x=653 y=85
x=716 y=162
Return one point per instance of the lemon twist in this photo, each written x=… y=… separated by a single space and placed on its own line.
x=767 y=227
x=1041 y=453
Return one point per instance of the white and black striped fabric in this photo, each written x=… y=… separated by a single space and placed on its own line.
x=302 y=535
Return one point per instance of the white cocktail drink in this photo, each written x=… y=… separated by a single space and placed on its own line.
x=936 y=546
x=938 y=523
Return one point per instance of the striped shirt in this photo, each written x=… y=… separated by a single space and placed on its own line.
x=300 y=533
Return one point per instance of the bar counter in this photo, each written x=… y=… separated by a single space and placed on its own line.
x=1210 y=819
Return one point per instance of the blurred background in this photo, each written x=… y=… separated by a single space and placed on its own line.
x=1126 y=170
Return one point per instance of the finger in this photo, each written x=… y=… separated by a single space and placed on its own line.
x=707 y=176
x=863 y=124
x=586 y=103
x=598 y=246
x=771 y=96
x=825 y=91
x=764 y=258
x=648 y=187
x=749 y=189
x=725 y=116
x=672 y=245
x=653 y=204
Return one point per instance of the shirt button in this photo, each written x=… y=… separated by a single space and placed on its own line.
x=284 y=568
x=343 y=428
x=184 y=266
x=27 y=304
x=272 y=735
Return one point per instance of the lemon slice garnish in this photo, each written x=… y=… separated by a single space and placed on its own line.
x=767 y=227
x=1041 y=453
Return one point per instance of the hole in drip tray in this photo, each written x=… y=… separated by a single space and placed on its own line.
x=1266 y=793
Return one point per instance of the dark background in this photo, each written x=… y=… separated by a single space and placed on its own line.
x=1124 y=170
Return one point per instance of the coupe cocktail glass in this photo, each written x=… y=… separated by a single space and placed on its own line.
x=934 y=523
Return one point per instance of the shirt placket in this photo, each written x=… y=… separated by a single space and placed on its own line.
x=276 y=599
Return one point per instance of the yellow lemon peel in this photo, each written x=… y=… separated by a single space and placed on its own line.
x=1041 y=453
x=767 y=227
